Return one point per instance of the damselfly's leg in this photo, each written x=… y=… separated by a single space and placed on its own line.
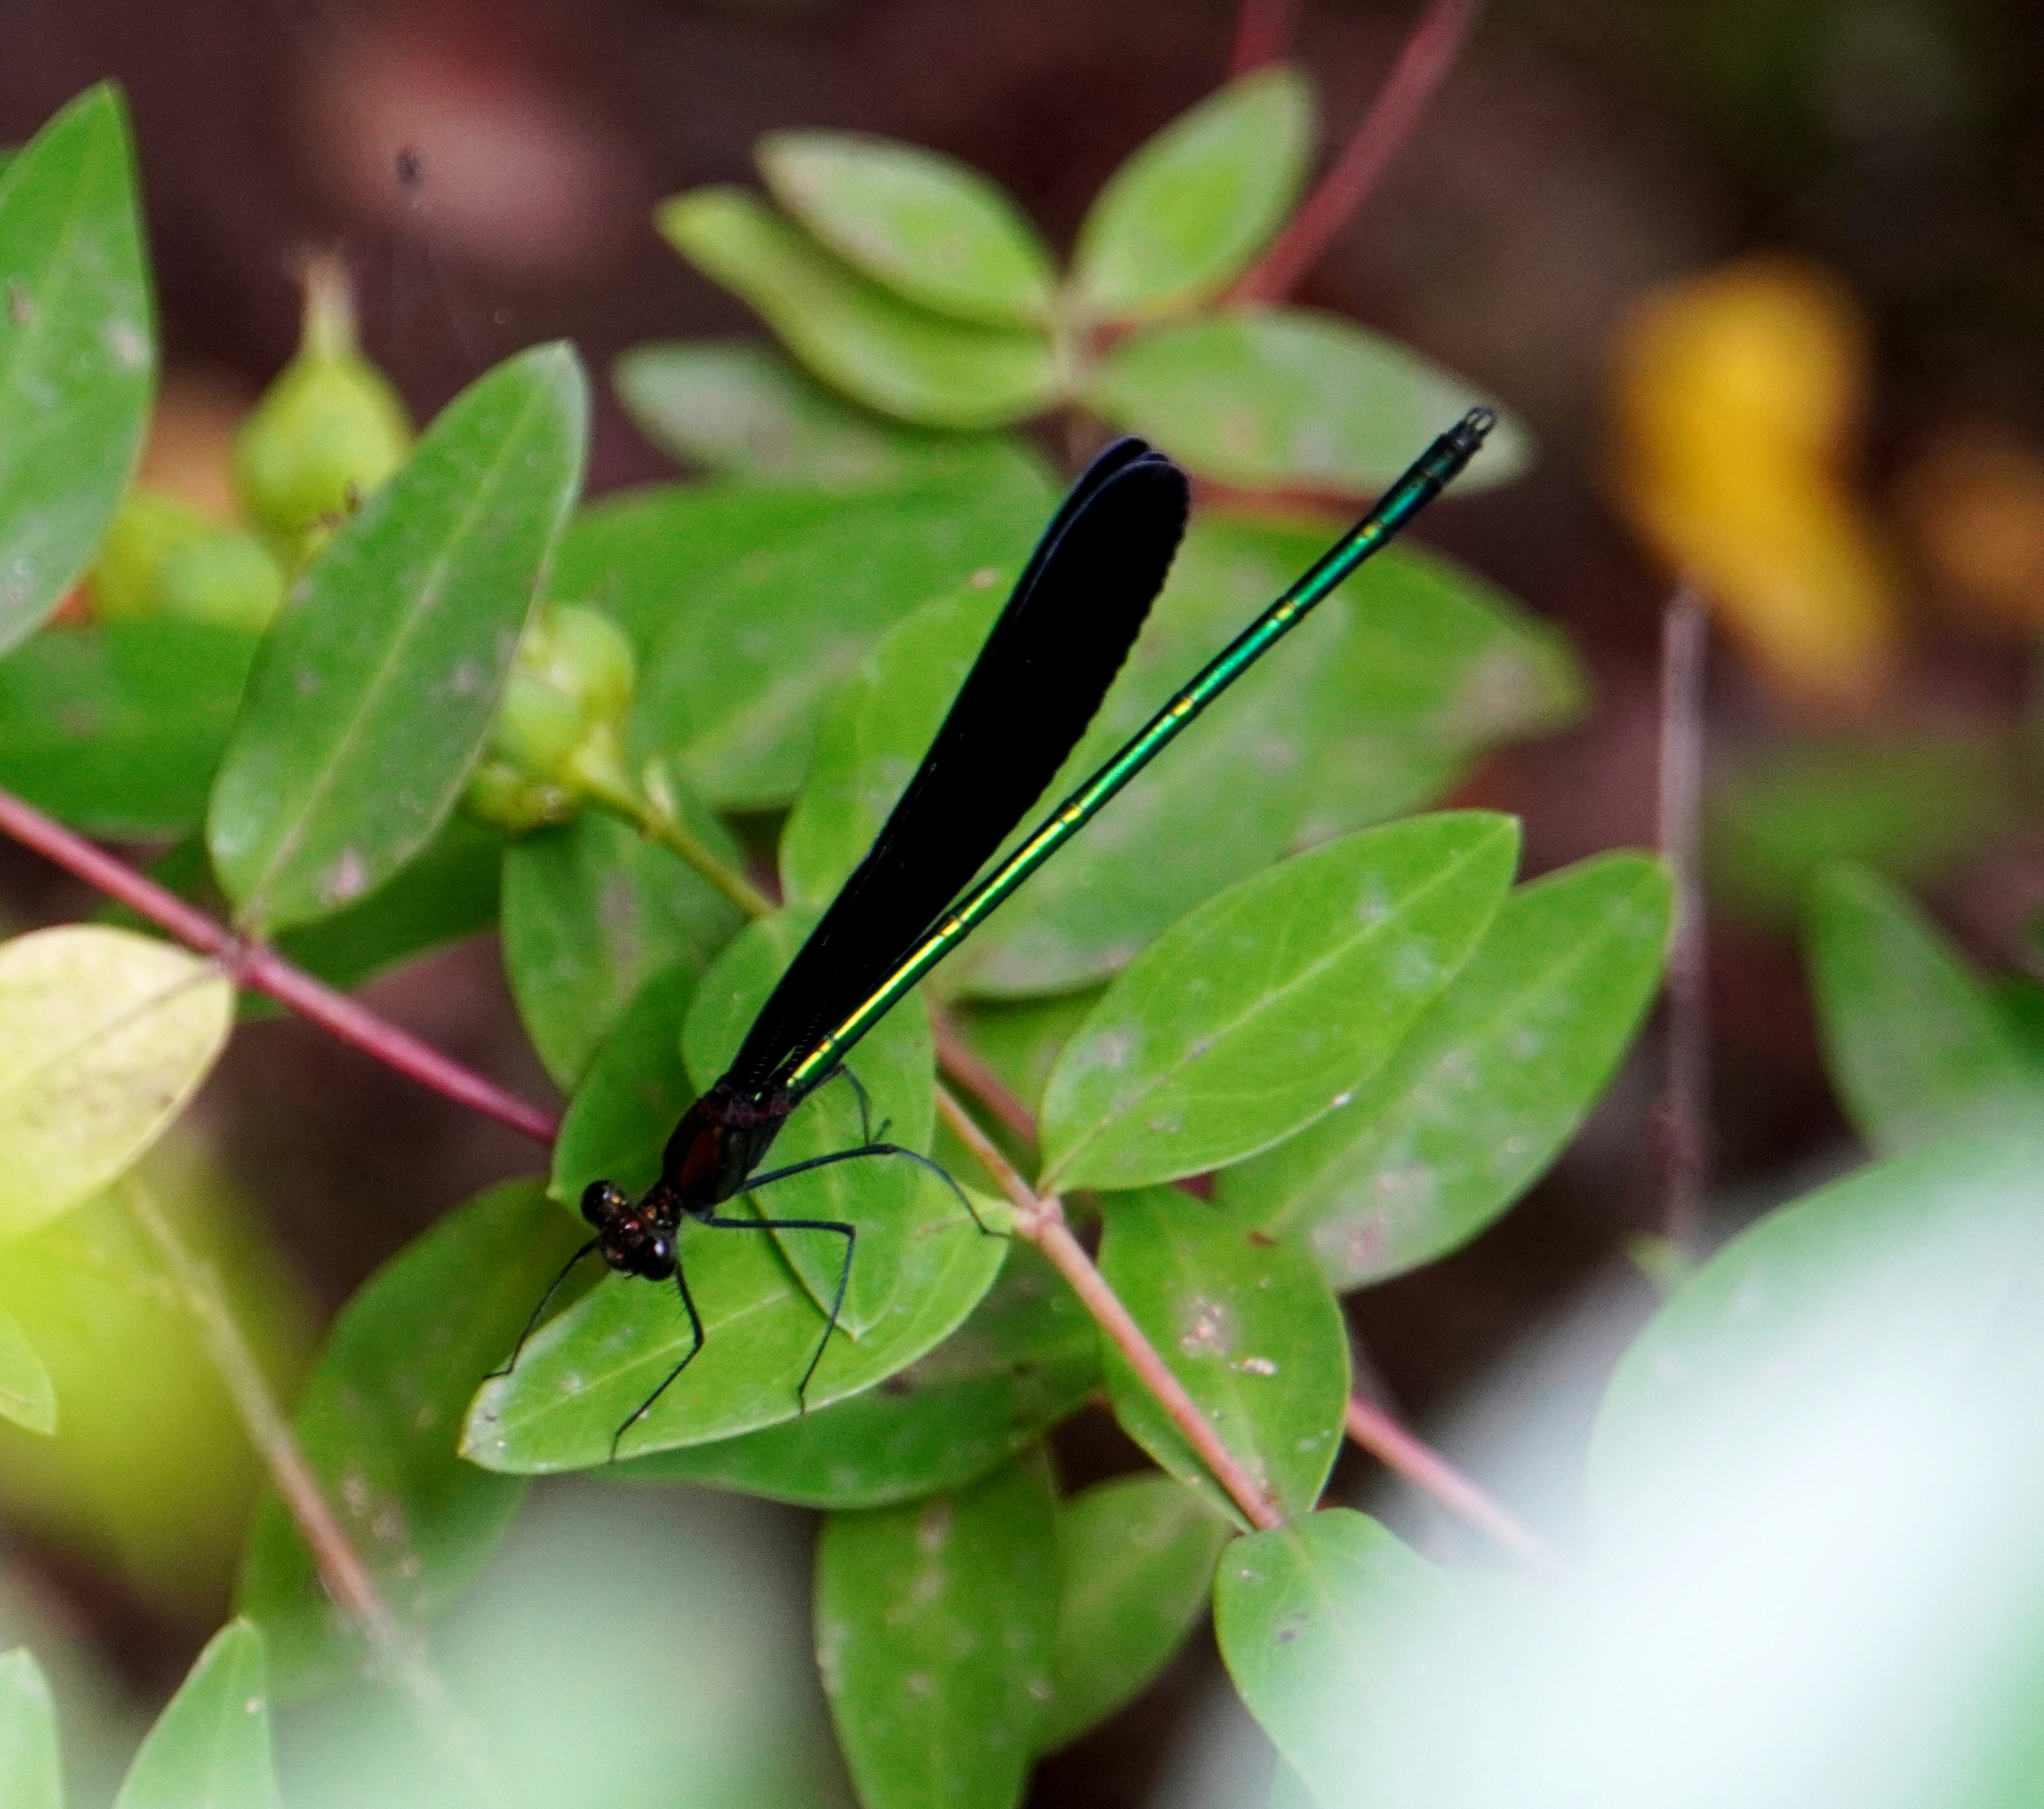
x=553 y=1288
x=867 y=1136
x=936 y=1168
x=696 y=1326
x=849 y=1233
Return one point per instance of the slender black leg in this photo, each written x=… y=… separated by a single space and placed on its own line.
x=867 y=1133
x=517 y=1349
x=695 y=1325
x=849 y=1233
x=936 y=1168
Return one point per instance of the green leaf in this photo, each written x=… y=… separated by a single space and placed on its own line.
x=633 y=1095
x=1914 y=1043
x=31 y=1767
x=104 y=1036
x=1486 y=1089
x=1186 y=215
x=1317 y=1623
x=591 y=910
x=587 y=1370
x=934 y=1628
x=212 y=1744
x=446 y=892
x=1290 y=398
x=1373 y=708
x=1026 y=1358
x=1256 y=1014
x=931 y=228
x=737 y=408
x=755 y=600
x=1136 y=1559
x=27 y=1396
x=78 y=352
x=1249 y=1329
x=376 y=1423
x=855 y=335
x=1915 y=810
x=896 y=1064
x=376 y=687
x=116 y=728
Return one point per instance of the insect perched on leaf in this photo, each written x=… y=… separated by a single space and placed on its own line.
x=1036 y=684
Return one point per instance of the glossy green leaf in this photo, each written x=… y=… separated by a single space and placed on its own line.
x=77 y=352
x=1249 y=1329
x=737 y=408
x=1291 y=398
x=591 y=911
x=1486 y=1090
x=31 y=1767
x=116 y=728
x=446 y=892
x=854 y=334
x=590 y=1369
x=211 y=1746
x=633 y=1095
x=1317 y=1623
x=378 y=1421
x=759 y=598
x=389 y=657
x=104 y=1037
x=1914 y=1043
x=1185 y=215
x=931 y=228
x=1916 y=809
x=1027 y=1357
x=1373 y=708
x=1256 y=1014
x=896 y=1064
x=1136 y=1561
x=934 y=1628
x=27 y=1396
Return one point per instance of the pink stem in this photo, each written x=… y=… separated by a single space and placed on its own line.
x=255 y=964
x=1685 y=1106
x=1428 y=54
x=1263 y=34
x=1041 y=1219
x=1398 y=1450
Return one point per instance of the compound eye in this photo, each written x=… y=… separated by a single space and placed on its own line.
x=601 y=1202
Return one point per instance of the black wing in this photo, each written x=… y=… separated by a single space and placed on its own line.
x=1036 y=684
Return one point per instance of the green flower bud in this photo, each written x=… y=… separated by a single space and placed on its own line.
x=327 y=433
x=162 y=558
x=554 y=741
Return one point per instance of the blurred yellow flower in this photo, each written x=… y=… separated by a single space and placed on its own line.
x=1738 y=398
x=1972 y=502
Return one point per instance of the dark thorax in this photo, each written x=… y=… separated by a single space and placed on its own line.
x=714 y=1150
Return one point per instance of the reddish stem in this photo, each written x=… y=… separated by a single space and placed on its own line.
x=1396 y=1448
x=1685 y=1106
x=255 y=965
x=964 y=1064
x=1263 y=34
x=1428 y=54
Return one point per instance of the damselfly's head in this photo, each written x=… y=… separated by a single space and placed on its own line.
x=635 y=1239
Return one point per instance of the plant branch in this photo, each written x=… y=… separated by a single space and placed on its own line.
x=341 y=1569
x=655 y=818
x=255 y=965
x=964 y=1064
x=1685 y=1104
x=1422 y=1466
x=1424 y=61
x=1263 y=34
x=1040 y=1218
